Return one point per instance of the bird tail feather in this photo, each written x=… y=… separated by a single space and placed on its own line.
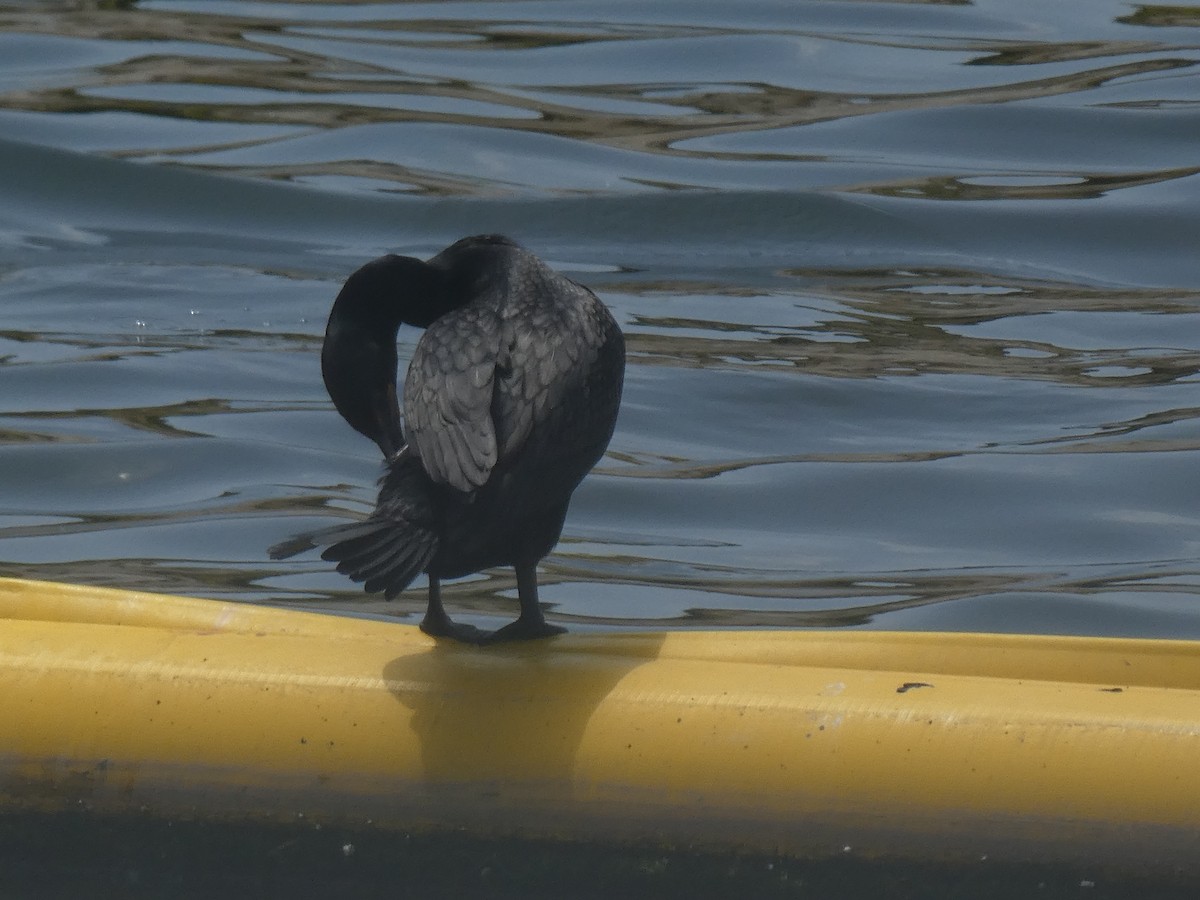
x=387 y=550
x=378 y=553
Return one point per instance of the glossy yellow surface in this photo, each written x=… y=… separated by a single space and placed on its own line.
x=922 y=744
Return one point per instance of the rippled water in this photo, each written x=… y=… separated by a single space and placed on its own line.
x=911 y=290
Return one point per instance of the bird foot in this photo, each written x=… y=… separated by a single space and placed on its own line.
x=522 y=630
x=444 y=627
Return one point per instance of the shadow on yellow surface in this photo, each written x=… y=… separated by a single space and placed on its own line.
x=917 y=746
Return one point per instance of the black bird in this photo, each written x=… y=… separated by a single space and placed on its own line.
x=511 y=398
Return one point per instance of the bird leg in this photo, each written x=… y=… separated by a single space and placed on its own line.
x=439 y=625
x=531 y=623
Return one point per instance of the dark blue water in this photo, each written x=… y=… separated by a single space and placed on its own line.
x=911 y=291
x=912 y=295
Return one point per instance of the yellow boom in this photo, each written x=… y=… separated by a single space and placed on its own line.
x=924 y=745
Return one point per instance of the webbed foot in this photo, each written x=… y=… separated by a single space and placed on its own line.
x=437 y=624
x=444 y=627
x=530 y=625
x=522 y=630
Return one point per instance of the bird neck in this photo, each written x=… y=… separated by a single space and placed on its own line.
x=358 y=358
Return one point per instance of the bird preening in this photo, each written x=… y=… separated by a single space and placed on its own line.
x=510 y=399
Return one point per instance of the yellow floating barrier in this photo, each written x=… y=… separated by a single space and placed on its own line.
x=918 y=745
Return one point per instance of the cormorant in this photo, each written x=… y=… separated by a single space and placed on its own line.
x=510 y=399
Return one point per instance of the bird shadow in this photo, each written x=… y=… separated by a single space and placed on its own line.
x=499 y=728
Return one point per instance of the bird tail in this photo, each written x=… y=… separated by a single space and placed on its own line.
x=388 y=549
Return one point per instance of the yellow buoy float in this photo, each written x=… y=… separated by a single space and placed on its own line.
x=920 y=745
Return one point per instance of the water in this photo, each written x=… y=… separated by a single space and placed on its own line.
x=911 y=290
x=912 y=295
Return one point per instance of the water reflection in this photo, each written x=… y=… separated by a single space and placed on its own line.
x=920 y=353
x=1069 y=187
x=891 y=323
x=813 y=352
x=635 y=86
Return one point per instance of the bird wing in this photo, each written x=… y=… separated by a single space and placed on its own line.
x=535 y=371
x=448 y=397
